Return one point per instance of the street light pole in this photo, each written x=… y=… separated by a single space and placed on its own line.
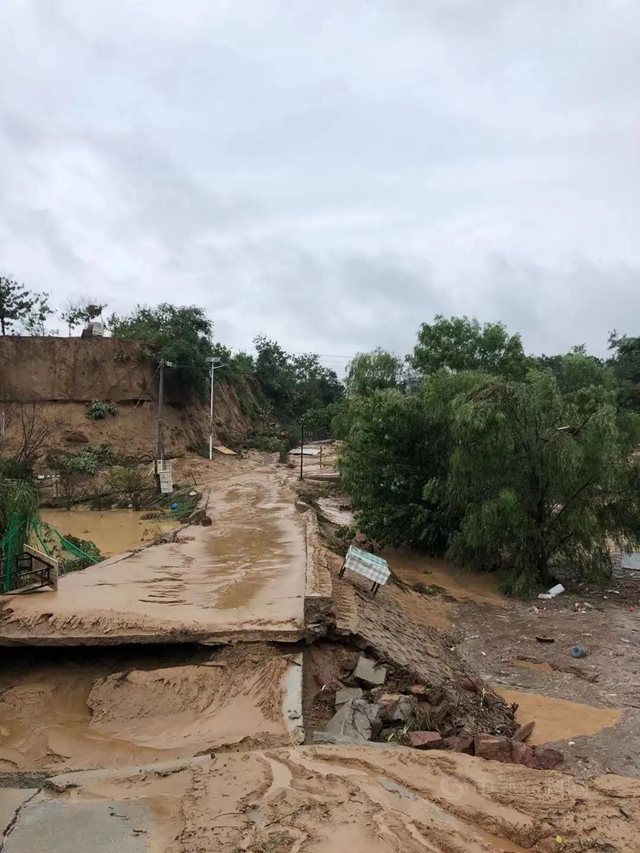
x=301 y=449
x=214 y=364
x=212 y=376
x=160 y=437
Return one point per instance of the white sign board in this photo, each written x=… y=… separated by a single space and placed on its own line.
x=166 y=482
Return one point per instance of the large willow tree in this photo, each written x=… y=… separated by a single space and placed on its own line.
x=545 y=482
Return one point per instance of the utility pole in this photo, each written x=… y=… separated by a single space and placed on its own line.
x=301 y=447
x=160 y=436
x=214 y=364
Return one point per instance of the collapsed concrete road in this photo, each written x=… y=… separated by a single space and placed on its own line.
x=77 y=709
x=323 y=799
x=243 y=578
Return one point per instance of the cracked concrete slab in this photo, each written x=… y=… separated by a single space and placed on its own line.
x=243 y=578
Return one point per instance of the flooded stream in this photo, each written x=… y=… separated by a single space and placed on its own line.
x=113 y=531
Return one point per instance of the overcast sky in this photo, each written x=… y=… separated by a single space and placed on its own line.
x=330 y=173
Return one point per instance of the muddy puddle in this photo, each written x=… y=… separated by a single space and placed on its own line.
x=558 y=719
x=96 y=709
x=413 y=568
x=113 y=531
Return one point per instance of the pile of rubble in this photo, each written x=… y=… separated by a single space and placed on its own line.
x=366 y=713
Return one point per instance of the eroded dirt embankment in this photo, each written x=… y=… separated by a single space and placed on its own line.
x=76 y=709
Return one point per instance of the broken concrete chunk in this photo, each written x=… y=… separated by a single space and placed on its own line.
x=492 y=747
x=460 y=743
x=369 y=673
x=398 y=709
x=346 y=694
x=356 y=720
x=339 y=740
x=425 y=740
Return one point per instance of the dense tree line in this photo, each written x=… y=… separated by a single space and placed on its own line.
x=498 y=460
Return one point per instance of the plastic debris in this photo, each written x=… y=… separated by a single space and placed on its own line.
x=578 y=652
x=174 y=506
x=558 y=589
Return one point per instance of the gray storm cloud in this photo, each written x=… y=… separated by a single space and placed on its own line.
x=328 y=174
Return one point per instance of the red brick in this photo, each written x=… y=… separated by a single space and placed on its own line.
x=545 y=758
x=521 y=753
x=460 y=743
x=492 y=747
x=425 y=740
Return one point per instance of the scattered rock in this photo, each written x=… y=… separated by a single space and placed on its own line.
x=492 y=747
x=521 y=753
x=460 y=743
x=328 y=680
x=398 y=709
x=205 y=521
x=470 y=684
x=435 y=696
x=545 y=758
x=346 y=694
x=356 y=719
x=369 y=673
x=418 y=690
x=302 y=506
x=425 y=740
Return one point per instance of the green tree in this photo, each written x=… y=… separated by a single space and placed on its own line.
x=393 y=446
x=625 y=363
x=181 y=335
x=373 y=371
x=130 y=482
x=276 y=374
x=81 y=310
x=294 y=385
x=459 y=344
x=542 y=482
x=22 y=306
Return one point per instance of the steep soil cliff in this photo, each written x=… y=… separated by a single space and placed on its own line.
x=60 y=376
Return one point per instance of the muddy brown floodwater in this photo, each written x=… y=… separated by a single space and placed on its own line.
x=558 y=719
x=412 y=567
x=113 y=531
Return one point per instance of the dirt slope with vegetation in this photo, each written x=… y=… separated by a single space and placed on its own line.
x=56 y=379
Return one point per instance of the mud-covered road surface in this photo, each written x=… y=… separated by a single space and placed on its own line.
x=156 y=702
x=327 y=799
x=241 y=578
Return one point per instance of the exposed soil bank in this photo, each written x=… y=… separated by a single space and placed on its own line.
x=326 y=799
x=242 y=578
x=99 y=708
